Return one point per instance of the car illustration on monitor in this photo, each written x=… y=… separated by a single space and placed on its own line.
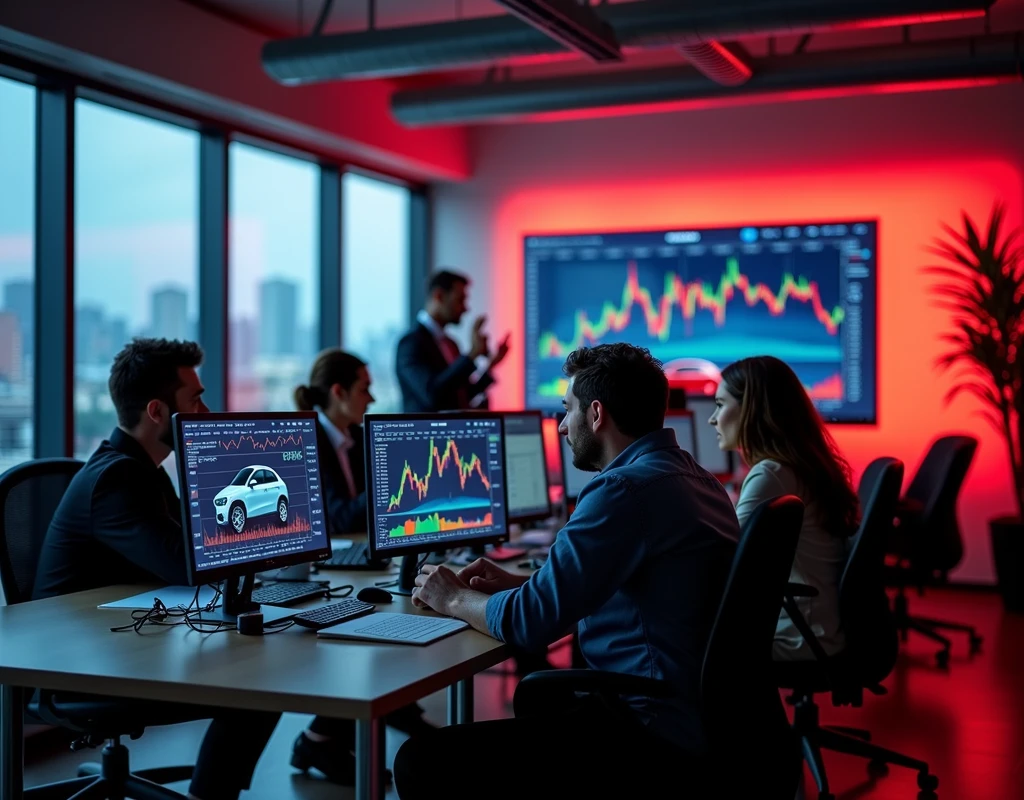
x=254 y=492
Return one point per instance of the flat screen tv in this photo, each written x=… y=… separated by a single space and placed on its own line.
x=702 y=298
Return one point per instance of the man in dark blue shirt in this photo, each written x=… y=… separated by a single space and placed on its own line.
x=640 y=568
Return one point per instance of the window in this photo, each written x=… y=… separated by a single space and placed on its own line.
x=17 y=272
x=273 y=277
x=136 y=248
x=375 y=279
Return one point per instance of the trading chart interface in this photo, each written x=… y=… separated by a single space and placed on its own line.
x=701 y=299
x=254 y=489
x=436 y=480
x=525 y=467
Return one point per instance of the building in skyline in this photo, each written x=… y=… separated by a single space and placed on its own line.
x=10 y=347
x=169 y=313
x=19 y=299
x=278 y=321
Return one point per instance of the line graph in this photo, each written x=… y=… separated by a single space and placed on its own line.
x=438 y=464
x=689 y=297
x=256 y=444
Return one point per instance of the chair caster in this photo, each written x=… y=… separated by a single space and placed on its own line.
x=826 y=796
x=877 y=768
x=927 y=782
x=976 y=644
x=942 y=659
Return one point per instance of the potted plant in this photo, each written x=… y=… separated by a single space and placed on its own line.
x=982 y=284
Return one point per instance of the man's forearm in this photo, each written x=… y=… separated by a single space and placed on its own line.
x=471 y=606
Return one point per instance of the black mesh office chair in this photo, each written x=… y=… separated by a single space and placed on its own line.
x=871 y=646
x=927 y=543
x=754 y=751
x=29 y=496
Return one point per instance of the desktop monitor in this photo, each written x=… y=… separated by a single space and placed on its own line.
x=683 y=423
x=525 y=468
x=433 y=482
x=250 y=494
x=715 y=460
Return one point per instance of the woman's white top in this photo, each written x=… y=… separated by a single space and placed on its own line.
x=820 y=556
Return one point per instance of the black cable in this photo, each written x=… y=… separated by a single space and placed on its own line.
x=334 y=591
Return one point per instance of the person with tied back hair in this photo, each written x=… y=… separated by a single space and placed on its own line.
x=763 y=411
x=339 y=391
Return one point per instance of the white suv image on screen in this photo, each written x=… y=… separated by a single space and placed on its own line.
x=256 y=490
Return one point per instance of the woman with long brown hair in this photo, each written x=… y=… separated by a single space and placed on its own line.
x=763 y=411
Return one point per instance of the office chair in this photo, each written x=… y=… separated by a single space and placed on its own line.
x=736 y=677
x=29 y=496
x=872 y=645
x=928 y=544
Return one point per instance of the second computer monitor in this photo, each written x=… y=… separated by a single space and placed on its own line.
x=525 y=467
x=434 y=481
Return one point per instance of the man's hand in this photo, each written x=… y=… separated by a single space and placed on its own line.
x=439 y=588
x=478 y=339
x=487 y=577
x=501 y=352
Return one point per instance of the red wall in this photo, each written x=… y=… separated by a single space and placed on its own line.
x=913 y=161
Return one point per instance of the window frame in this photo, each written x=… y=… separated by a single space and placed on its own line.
x=54 y=257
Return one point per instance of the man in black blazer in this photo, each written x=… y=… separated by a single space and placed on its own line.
x=433 y=374
x=120 y=522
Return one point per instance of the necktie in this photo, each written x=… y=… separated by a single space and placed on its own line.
x=449 y=349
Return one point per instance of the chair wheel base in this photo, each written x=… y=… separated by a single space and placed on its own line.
x=927 y=782
x=877 y=768
x=976 y=644
x=942 y=659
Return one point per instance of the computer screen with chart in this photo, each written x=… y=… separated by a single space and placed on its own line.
x=525 y=467
x=574 y=477
x=434 y=481
x=703 y=298
x=250 y=488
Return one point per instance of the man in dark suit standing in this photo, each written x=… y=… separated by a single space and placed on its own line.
x=433 y=374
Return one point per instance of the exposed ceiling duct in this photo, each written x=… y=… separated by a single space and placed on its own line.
x=997 y=58
x=576 y=27
x=723 y=63
x=652 y=23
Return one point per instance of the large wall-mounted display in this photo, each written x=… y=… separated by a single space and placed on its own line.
x=702 y=298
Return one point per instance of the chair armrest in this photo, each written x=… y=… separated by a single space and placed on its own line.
x=812 y=641
x=548 y=690
x=800 y=590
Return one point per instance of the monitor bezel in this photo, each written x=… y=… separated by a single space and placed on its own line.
x=541 y=515
x=410 y=549
x=197 y=577
x=875 y=419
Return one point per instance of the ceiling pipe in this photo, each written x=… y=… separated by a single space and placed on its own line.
x=727 y=65
x=653 y=23
x=891 y=68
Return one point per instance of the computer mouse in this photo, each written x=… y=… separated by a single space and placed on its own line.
x=374 y=594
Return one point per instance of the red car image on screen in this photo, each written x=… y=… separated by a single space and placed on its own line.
x=254 y=492
x=695 y=376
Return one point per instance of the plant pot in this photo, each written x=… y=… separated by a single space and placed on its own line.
x=1008 y=554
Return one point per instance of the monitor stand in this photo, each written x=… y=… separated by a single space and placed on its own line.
x=237 y=600
x=406 y=575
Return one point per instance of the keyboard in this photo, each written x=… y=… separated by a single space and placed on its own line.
x=397 y=628
x=288 y=593
x=356 y=557
x=335 y=613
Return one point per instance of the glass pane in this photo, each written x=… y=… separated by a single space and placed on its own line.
x=375 y=280
x=17 y=272
x=136 y=248
x=273 y=279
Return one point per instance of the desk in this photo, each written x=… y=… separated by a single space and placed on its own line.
x=64 y=643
